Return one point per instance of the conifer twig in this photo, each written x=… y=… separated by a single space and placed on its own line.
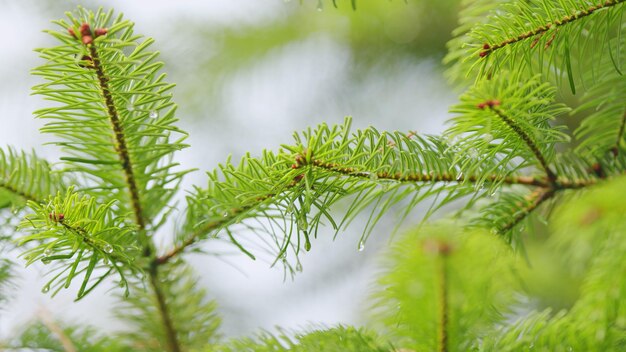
x=489 y=48
x=535 y=199
x=525 y=137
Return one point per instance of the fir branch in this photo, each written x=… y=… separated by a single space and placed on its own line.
x=120 y=145
x=491 y=47
x=533 y=201
x=79 y=235
x=525 y=137
x=114 y=114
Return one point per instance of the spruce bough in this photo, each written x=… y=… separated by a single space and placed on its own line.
x=452 y=285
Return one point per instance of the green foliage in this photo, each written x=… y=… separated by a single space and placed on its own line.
x=506 y=158
x=79 y=237
x=25 y=176
x=114 y=117
x=296 y=187
x=547 y=37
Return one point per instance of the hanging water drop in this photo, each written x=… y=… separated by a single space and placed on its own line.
x=487 y=137
x=226 y=214
x=122 y=284
x=47 y=252
x=45 y=289
x=153 y=114
x=522 y=228
x=299 y=267
x=107 y=248
x=130 y=107
x=361 y=246
x=320 y=6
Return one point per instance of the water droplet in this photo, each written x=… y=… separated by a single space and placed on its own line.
x=494 y=231
x=361 y=246
x=226 y=214
x=299 y=267
x=487 y=137
x=123 y=283
x=130 y=107
x=153 y=114
x=473 y=153
x=47 y=252
x=522 y=228
x=107 y=248
x=320 y=6
x=45 y=289
x=14 y=211
x=373 y=176
x=459 y=176
x=307 y=244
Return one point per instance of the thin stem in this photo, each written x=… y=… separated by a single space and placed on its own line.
x=170 y=332
x=424 y=177
x=529 y=141
x=120 y=145
x=489 y=48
